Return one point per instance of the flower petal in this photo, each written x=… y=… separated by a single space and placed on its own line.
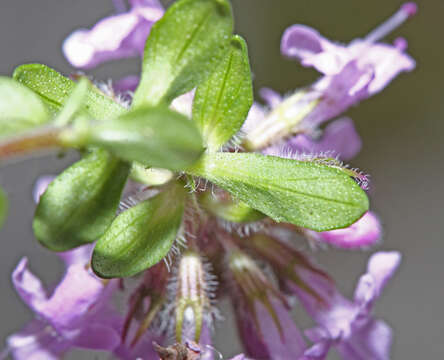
x=387 y=62
x=380 y=269
x=29 y=287
x=148 y=3
x=338 y=92
x=272 y=98
x=318 y=351
x=313 y=50
x=40 y=186
x=36 y=342
x=372 y=341
x=363 y=233
x=80 y=255
x=340 y=136
x=255 y=116
x=116 y=37
x=98 y=337
x=126 y=84
x=280 y=343
x=75 y=300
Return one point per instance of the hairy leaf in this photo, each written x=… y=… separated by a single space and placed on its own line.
x=229 y=209
x=306 y=194
x=20 y=108
x=141 y=236
x=182 y=48
x=81 y=202
x=156 y=137
x=73 y=104
x=55 y=89
x=222 y=101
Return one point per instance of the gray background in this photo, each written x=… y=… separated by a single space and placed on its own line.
x=401 y=130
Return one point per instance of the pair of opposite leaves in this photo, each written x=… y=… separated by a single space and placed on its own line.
x=190 y=46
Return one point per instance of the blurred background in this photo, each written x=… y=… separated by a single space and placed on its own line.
x=401 y=129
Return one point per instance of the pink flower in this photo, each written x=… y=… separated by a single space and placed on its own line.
x=348 y=325
x=76 y=314
x=340 y=137
x=363 y=233
x=116 y=37
x=350 y=74
x=383 y=61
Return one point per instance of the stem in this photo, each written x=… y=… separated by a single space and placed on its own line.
x=43 y=139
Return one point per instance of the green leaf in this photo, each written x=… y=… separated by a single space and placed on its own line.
x=157 y=137
x=306 y=194
x=149 y=176
x=182 y=49
x=222 y=101
x=229 y=209
x=3 y=207
x=20 y=108
x=81 y=202
x=74 y=103
x=141 y=236
x=55 y=89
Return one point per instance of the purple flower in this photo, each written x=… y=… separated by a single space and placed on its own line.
x=348 y=325
x=76 y=314
x=351 y=73
x=269 y=332
x=127 y=84
x=40 y=186
x=340 y=136
x=116 y=37
x=363 y=233
x=383 y=60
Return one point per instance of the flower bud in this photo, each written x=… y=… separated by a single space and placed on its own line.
x=192 y=300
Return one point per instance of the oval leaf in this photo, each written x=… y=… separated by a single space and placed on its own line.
x=222 y=101
x=141 y=236
x=229 y=209
x=3 y=207
x=306 y=194
x=20 y=108
x=81 y=202
x=183 y=46
x=55 y=90
x=156 y=137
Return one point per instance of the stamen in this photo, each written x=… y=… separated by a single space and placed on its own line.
x=406 y=11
